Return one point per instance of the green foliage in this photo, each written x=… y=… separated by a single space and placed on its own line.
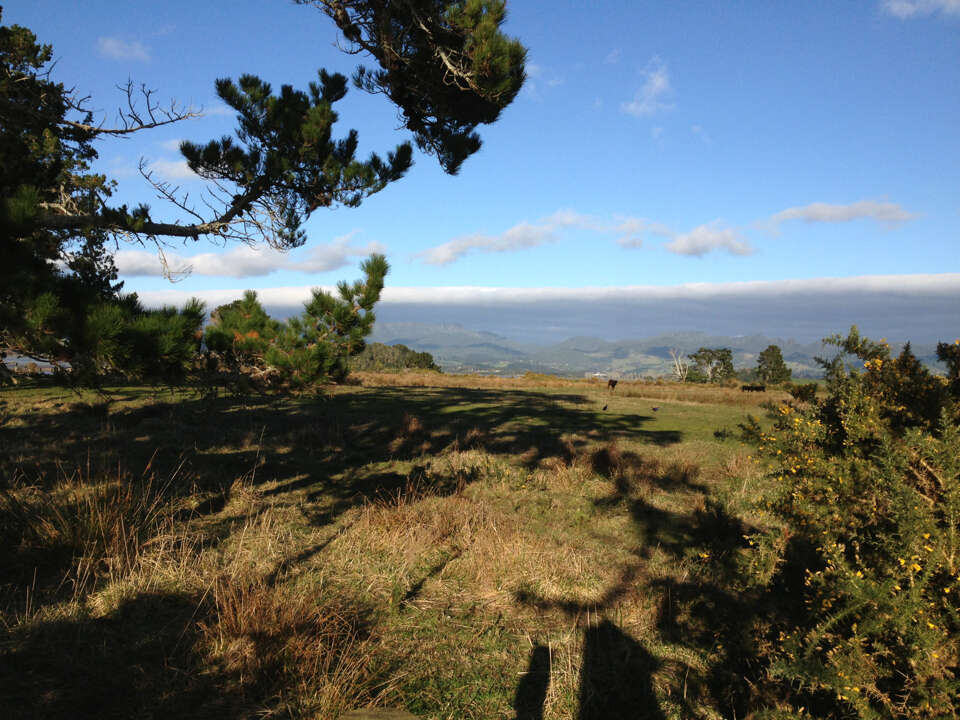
x=770 y=366
x=241 y=329
x=445 y=65
x=868 y=485
x=806 y=392
x=711 y=365
x=287 y=164
x=317 y=346
x=377 y=356
x=122 y=338
x=949 y=354
x=48 y=278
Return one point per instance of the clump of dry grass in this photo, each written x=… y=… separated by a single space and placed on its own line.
x=410 y=431
x=96 y=524
x=309 y=655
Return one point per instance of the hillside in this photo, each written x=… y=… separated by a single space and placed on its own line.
x=457 y=349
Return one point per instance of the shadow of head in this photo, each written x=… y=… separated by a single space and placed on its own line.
x=616 y=676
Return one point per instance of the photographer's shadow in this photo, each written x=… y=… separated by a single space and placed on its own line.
x=615 y=679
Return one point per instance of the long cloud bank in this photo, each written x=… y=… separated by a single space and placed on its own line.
x=921 y=308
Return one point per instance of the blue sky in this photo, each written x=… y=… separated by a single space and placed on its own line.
x=657 y=148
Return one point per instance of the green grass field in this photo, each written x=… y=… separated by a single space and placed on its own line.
x=459 y=547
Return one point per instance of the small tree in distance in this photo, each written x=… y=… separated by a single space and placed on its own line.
x=246 y=344
x=712 y=364
x=770 y=366
x=680 y=365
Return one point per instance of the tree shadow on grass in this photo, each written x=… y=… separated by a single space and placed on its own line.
x=242 y=650
x=698 y=609
x=328 y=445
x=136 y=662
x=334 y=450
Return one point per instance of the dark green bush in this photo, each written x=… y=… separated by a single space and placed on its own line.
x=377 y=356
x=806 y=393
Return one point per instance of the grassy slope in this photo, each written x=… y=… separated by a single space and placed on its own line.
x=461 y=547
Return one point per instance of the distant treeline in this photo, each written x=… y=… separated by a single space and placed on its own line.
x=378 y=357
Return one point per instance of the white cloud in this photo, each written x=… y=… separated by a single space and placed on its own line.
x=117 y=49
x=539 y=77
x=243 y=261
x=172 y=145
x=172 y=170
x=887 y=213
x=137 y=263
x=613 y=57
x=632 y=231
x=218 y=109
x=239 y=262
x=942 y=285
x=706 y=238
x=333 y=256
x=651 y=98
x=523 y=235
x=905 y=9
x=519 y=237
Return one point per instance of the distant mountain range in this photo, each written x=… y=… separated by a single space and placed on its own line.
x=460 y=350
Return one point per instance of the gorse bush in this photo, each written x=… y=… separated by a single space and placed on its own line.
x=868 y=564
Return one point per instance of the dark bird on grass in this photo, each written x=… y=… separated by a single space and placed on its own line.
x=604 y=407
x=655 y=409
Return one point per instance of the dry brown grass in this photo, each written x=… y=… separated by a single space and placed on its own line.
x=309 y=655
x=653 y=390
x=419 y=378
x=303 y=589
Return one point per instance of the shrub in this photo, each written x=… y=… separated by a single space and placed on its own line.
x=378 y=357
x=805 y=393
x=241 y=330
x=868 y=486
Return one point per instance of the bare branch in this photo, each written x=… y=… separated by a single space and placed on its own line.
x=132 y=119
